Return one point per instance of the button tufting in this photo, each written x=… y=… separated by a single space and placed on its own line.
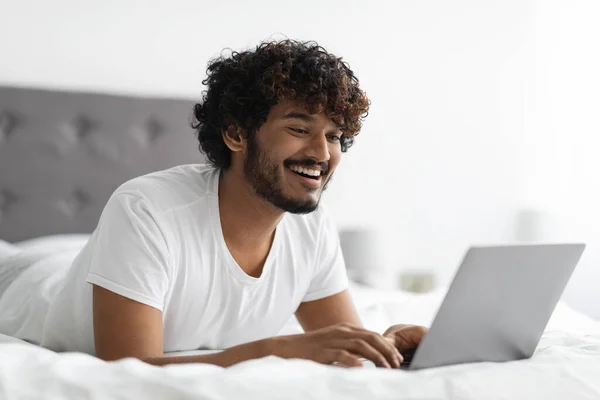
x=71 y=133
x=78 y=128
x=7 y=199
x=8 y=122
x=74 y=203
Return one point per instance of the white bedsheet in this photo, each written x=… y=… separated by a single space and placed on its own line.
x=7 y=249
x=566 y=365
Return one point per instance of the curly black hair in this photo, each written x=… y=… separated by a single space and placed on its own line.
x=242 y=88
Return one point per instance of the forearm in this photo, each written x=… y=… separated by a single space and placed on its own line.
x=226 y=358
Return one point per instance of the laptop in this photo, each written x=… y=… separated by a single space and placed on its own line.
x=498 y=305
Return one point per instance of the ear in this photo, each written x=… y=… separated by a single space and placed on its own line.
x=234 y=139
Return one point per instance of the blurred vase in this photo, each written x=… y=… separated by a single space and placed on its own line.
x=365 y=259
x=529 y=226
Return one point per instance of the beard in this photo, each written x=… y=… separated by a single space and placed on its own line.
x=261 y=174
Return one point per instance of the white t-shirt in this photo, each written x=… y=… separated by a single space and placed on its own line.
x=159 y=242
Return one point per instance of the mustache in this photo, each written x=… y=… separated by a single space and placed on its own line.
x=308 y=163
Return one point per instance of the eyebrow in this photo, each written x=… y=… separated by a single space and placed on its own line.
x=304 y=117
x=298 y=115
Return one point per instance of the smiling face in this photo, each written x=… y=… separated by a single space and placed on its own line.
x=292 y=156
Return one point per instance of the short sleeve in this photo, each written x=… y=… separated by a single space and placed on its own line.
x=329 y=276
x=129 y=254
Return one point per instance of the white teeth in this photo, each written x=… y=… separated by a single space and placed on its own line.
x=306 y=171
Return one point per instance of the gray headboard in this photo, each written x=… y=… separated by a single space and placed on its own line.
x=62 y=154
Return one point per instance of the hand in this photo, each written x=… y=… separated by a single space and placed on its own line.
x=344 y=343
x=406 y=338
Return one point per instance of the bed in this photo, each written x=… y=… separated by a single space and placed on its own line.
x=61 y=156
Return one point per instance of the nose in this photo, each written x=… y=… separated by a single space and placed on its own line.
x=319 y=149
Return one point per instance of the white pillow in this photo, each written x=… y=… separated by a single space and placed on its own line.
x=24 y=304
x=54 y=243
x=7 y=249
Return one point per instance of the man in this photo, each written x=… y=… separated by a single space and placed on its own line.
x=221 y=256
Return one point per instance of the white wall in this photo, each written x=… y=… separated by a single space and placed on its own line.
x=562 y=134
x=444 y=159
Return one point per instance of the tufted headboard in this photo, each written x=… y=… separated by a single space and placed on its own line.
x=62 y=154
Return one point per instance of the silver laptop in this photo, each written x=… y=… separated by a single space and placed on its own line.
x=498 y=305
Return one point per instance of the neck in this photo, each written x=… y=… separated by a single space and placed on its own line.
x=247 y=221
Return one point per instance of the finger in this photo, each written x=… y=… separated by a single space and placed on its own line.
x=384 y=346
x=408 y=338
x=363 y=349
x=342 y=358
x=392 y=342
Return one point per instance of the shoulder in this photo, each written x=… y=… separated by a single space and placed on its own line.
x=171 y=188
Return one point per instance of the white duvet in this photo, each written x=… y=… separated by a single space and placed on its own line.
x=566 y=364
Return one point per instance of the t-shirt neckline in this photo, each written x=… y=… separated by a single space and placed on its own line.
x=232 y=265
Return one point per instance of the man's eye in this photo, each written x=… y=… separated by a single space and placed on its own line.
x=335 y=138
x=300 y=131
